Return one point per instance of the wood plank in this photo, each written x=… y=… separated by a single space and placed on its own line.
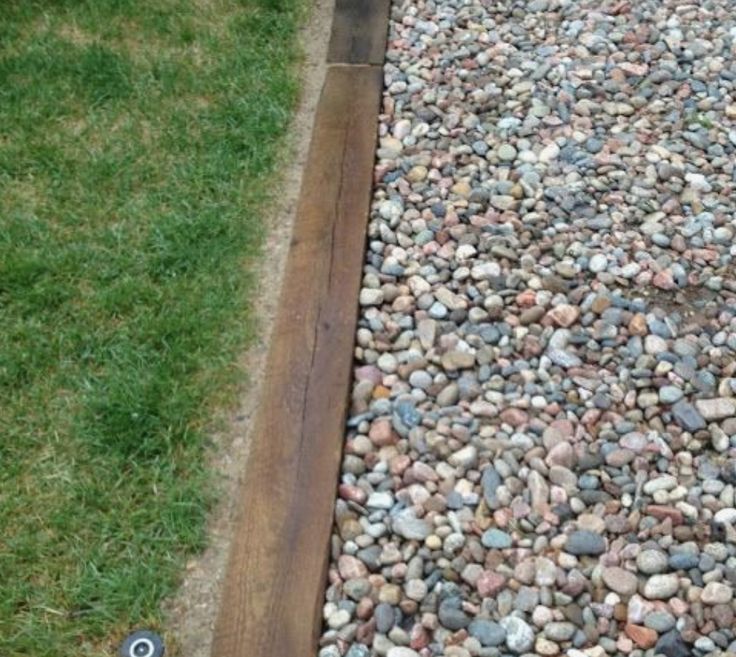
x=274 y=585
x=359 y=32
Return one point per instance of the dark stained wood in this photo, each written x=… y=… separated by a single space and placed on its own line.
x=359 y=31
x=274 y=585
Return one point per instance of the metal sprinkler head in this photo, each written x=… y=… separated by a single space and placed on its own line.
x=142 y=643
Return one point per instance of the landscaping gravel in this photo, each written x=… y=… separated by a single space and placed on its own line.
x=541 y=451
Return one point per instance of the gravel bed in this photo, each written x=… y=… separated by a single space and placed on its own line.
x=540 y=457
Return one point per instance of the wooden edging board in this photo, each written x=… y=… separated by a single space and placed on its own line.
x=359 y=32
x=273 y=589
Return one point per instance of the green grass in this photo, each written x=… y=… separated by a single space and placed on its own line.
x=138 y=143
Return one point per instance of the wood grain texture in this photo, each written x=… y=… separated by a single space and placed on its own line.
x=359 y=32
x=273 y=589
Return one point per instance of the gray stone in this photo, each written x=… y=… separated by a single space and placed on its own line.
x=406 y=524
x=488 y=632
x=651 y=562
x=598 y=263
x=519 y=635
x=661 y=587
x=451 y=614
x=659 y=621
x=672 y=644
x=506 y=153
x=687 y=416
x=621 y=581
x=490 y=481
x=584 y=542
x=559 y=631
x=358 y=650
x=684 y=560
x=670 y=394
x=385 y=617
x=496 y=539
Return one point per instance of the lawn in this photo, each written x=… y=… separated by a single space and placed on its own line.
x=138 y=146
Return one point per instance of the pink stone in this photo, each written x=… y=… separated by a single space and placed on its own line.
x=705 y=254
x=366 y=631
x=640 y=635
x=678 y=607
x=591 y=417
x=352 y=493
x=576 y=583
x=624 y=644
x=664 y=512
x=524 y=571
x=422 y=472
x=381 y=433
x=538 y=492
x=418 y=637
x=664 y=280
x=561 y=454
x=369 y=373
x=558 y=431
x=514 y=416
x=520 y=508
x=564 y=315
x=634 y=69
x=490 y=583
x=399 y=464
x=351 y=567
x=446 y=251
x=557 y=495
x=418 y=494
x=638 y=609
x=526 y=299
x=364 y=610
x=634 y=441
x=502 y=517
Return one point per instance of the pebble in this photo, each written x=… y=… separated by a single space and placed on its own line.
x=488 y=632
x=659 y=621
x=585 y=542
x=661 y=587
x=687 y=416
x=717 y=593
x=651 y=562
x=410 y=527
x=451 y=614
x=559 y=631
x=400 y=651
x=598 y=263
x=497 y=539
x=519 y=635
x=506 y=153
x=619 y=580
x=716 y=409
x=672 y=644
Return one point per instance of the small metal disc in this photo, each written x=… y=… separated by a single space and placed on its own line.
x=142 y=643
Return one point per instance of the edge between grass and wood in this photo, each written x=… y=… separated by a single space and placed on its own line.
x=139 y=146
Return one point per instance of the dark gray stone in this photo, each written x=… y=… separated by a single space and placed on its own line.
x=672 y=645
x=451 y=614
x=687 y=416
x=385 y=616
x=490 y=481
